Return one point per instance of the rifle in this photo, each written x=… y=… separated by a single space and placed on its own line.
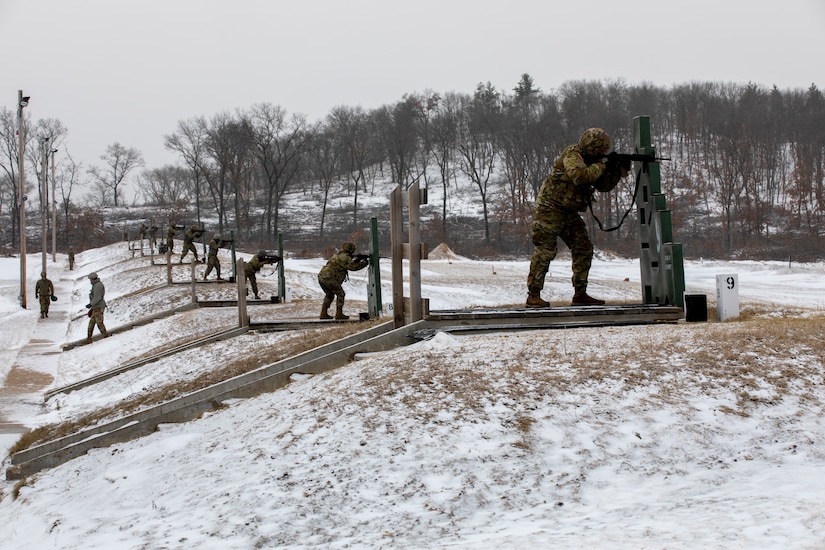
x=624 y=159
x=361 y=257
x=223 y=243
x=269 y=258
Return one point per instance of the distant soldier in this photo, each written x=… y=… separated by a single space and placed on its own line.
x=170 y=238
x=143 y=229
x=254 y=266
x=44 y=290
x=71 y=258
x=189 y=238
x=212 y=261
x=153 y=235
x=96 y=307
x=333 y=275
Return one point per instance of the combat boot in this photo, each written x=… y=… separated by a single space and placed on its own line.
x=534 y=300
x=339 y=313
x=580 y=298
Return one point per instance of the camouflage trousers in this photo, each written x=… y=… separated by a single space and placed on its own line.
x=45 y=302
x=570 y=228
x=332 y=290
x=212 y=262
x=187 y=248
x=97 y=319
x=253 y=282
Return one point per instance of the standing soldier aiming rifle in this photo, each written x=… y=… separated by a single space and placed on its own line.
x=170 y=239
x=212 y=261
x=332 y=276
x=568 y=190
x=254 y=266
x=189 y=238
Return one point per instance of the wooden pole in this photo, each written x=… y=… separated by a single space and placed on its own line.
x=413 y=196
x=397 y=255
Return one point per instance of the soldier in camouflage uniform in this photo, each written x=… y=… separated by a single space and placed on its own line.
x=212 y=261
x=170 y=238
x=254 y=265
x=189 y=238
x=333 y=275
x=96 y=307
x=566 y=192
x=43 y=290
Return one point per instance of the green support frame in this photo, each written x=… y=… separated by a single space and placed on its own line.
x=374 y=290
x=661 y=260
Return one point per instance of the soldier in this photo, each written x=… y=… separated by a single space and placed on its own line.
x=153 y=235
x=189 y=238
x=170 y=237
x=212 y=260
x=566 y=192
x=254 y=265
x=44 y=290
x=143 y=229
x=333 y=275
x=96 y=306
x=71 y=258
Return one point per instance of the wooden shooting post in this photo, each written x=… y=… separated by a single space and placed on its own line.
x=243 y=316
x=412 y=250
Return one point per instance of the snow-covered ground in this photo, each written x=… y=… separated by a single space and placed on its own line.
x=688 y=435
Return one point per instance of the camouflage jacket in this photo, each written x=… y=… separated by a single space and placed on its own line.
x=213 y=247
x=253 y=266
x=96 y=295
x=190 y=236
x=571 y=183
x=44 y=287
x=338 y=266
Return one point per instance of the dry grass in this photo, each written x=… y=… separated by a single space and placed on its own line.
x=756 y=361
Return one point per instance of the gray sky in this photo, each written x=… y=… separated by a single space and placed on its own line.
x=128 y=71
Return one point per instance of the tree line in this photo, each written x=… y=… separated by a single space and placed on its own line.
x=745 y=176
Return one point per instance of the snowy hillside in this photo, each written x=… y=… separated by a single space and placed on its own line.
x=688 y=435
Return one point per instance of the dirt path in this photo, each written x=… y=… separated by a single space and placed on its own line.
x=36 y=363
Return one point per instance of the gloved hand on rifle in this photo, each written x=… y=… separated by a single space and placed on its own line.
x=613 y=159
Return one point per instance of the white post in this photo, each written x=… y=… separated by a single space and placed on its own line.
x=727 y=296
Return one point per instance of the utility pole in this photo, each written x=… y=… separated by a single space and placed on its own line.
x=54 y=214
x=44 y=197
x=21 y=199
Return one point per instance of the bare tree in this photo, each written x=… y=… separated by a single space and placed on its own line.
x=279 y=140
x=167 y=185
x=119 y=162
x=189 y=140
x=477 y=143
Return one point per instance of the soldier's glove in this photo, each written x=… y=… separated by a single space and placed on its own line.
x=88 y=306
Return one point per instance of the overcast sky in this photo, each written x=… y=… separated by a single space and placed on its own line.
x=128 y=71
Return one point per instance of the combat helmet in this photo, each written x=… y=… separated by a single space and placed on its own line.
x=348 y=247
x=594 y=141
x=261 y=253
